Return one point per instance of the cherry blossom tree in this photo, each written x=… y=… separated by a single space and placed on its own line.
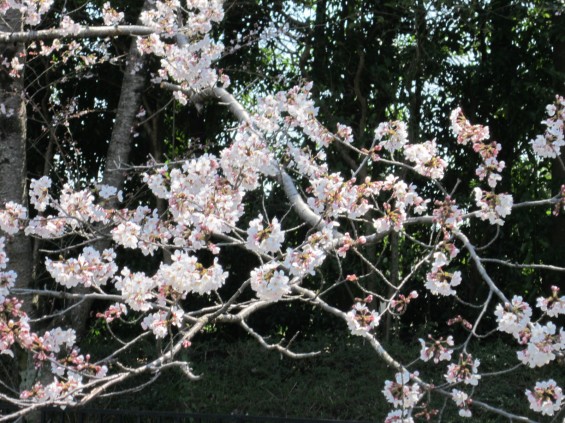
x=195 y=209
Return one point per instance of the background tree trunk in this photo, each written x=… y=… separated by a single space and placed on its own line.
x=117 y=155
x=13 y=185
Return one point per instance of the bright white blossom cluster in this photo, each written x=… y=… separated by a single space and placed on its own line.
x=392 y=136
x=440 y=281
x=247 y=159
x=553 y=305
x=79 y=207
x=269 y=283
x=494 y=207
x=110 y=15
x=463 y=402
x=546 y=397
x=513 y=318
x=543 y=343
x=464 y=371
x=200 y=199
x=303 y=261
x=549 y=144
x=360 y=319
x=185 y=275
x=403 y=392
x=426 y=159
x=332 y=196
x=264 y=239
x=12 y=217
x=126 y=234
x=184 y=62
x=160 y=322
x=403 y=198
x=39 y=193
x=89 y=268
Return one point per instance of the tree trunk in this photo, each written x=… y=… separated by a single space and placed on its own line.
x=13 y=152
x=117 y=155
x=13 y=174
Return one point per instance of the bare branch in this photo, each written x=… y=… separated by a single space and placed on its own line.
x=83 y=32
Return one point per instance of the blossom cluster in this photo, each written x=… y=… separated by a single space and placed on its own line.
x=437 y=349
x=466 y=370
x=269 y=283
x=392 y=136
x=493 y=207
x=426 y=159
x=89 y=268
x=361 y=320
x=200 y=199
x=403 y=197
x=264 y=239
x=514 y=317
x=7 y=277
x=490 y=167
x=546 y=397
x=403 y=392
x=184 y=62
x=543 y=341
x=463 y=402
x=447 y=215
x=549 y=144
x=440 y=281
x=553 y=305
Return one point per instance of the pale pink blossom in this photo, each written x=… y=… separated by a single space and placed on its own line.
x=110 y=15
x=361 y=320
x=553 y=305
x=269 y=283
x=546 y=398
x=392 y=135
x=436 y=349
x=402 y=392
x=464 y=371
x=463 y=402
x=440 y=282
x=264 y=238
x=12 y=217
x=39 y=193
x=399 y=416
x=514 y=317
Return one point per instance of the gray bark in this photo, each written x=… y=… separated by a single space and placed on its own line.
x=13 y=173
x=18 y=36
x=13 y=152
x=117 y=155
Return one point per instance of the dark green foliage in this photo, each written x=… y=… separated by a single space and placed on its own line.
x=344 y=382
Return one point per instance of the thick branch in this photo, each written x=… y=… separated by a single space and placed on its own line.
x=84 y=32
